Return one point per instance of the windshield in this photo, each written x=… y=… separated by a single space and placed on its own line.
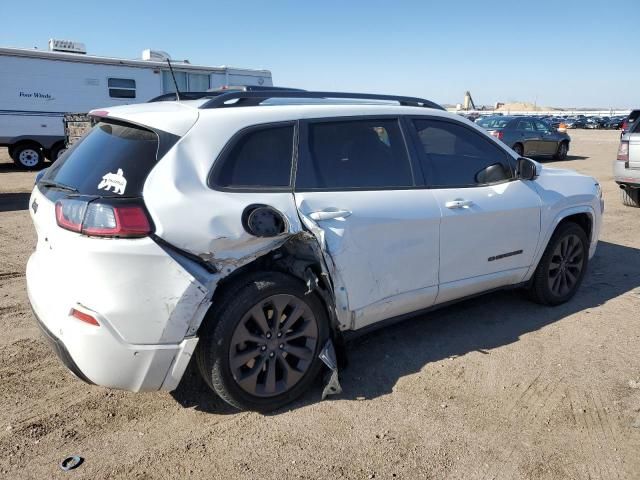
x=114 y=159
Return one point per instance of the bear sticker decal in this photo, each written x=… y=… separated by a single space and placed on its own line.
x=115 y=181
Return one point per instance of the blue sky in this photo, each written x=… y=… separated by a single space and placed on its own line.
x=558 y=53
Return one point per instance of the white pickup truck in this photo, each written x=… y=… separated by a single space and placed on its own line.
x=626 y=168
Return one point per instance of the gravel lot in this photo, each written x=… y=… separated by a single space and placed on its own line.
x=495 y=387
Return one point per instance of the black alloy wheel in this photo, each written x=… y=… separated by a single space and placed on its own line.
x=273 y=345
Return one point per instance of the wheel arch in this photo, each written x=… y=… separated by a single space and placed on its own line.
x=25 y=141
x=583 y=215
x=300 y=257
x=53 y=147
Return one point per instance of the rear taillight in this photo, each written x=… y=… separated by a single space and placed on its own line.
x=625 y=124
x=497 y=133
x=99 y=218
x=623 y=151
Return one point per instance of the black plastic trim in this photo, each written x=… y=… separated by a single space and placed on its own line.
x=350 y=335
x=254 y=98
x=60 y=350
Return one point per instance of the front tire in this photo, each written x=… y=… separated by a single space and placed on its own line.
x=28 y=155
x=562 y=266
x=630 y=197
x=562 y=151
x=260 y=347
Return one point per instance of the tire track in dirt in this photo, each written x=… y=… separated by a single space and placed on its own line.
x=600 y=436
x=540 y=394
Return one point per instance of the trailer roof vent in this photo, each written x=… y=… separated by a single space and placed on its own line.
x=155 y=55
x=66 y=46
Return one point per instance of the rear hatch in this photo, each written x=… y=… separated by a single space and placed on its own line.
x=95 y=240
x=95 y=187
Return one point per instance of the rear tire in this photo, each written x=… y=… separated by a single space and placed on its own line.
x=253 y=361
x=56 y=151
x=562 y=266
x=630 y=197
x=28 y=155
x=519 y=149
x=563 y=149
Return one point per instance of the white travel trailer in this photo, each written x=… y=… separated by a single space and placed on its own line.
x=38 y=87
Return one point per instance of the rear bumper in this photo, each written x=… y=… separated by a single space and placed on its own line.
x=624 y=175
x=60 y=350
x=96 y=356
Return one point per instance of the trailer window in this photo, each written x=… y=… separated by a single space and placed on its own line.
x=198 y=82
x=122 y=88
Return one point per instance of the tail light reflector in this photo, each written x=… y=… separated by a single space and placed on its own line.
x=623 y=151
x=84 y=317
x=98 y=218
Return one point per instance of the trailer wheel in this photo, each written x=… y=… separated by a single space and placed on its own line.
x=28 y=155
x=57 y=150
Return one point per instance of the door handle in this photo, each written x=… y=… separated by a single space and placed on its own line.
x=458 y=203
x=328 y=214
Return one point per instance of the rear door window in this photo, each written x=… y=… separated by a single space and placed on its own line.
x=114 y=159
x=453 y=155
x=259 y=158
x=354 y=154
x=525 y=125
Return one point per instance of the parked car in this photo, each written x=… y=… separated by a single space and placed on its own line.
x=595 y=123
x=626 y=168
x=615 y=123
x=630 y=120
x=252 y=231
x=576 y=123
x=528 y=136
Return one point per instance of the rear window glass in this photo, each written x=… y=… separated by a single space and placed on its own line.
x=112 y=160
x=493 y=122
x=260 y=158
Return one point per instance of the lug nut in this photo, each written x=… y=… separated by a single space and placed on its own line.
x=268 y=334
x=272 y=354
x=282 y=346
x=279 y=334
x=263 y=348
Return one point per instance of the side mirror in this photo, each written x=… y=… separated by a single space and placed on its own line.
x=526 y=169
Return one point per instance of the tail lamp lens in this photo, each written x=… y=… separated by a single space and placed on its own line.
x=497 y=133
x=98 y=219
x=70 y=214
x=623 y=151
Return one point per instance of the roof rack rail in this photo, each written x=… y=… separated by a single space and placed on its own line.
x=253 y=98
x=183 y=96
x=218 y=91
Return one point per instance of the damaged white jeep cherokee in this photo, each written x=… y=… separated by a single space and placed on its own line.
x=252 y=229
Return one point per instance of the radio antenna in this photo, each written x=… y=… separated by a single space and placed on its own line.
x=174 y=80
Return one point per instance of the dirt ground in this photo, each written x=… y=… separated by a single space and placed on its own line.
x=493 y=388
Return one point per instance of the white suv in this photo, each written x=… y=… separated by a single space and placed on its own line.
x=252 y=229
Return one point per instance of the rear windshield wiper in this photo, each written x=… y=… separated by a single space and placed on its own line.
x=60 y=186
